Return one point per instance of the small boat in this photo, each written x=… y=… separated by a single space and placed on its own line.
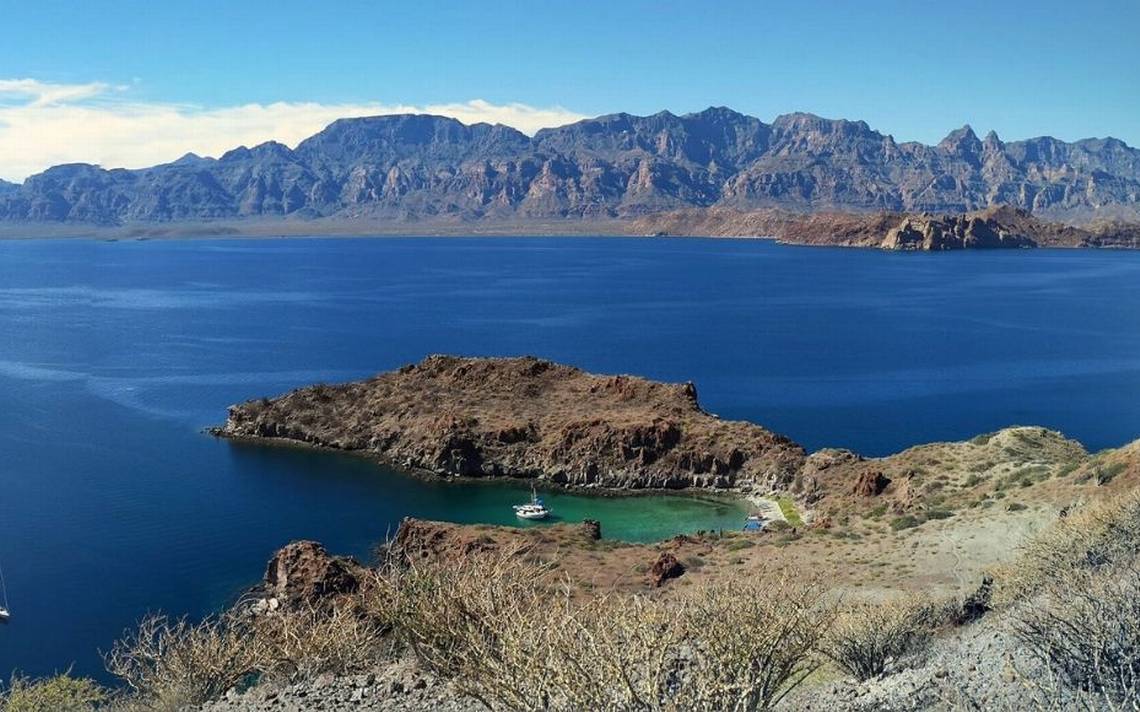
x=5 y=614
x=754 y=523
x=534 y=509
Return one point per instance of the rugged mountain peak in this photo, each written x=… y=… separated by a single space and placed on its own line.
x=187 y=159
x=719 y=113
x=267 y=150
x=959 y=140
x=991 y=143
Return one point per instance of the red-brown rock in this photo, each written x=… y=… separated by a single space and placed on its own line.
x=304 y=573
x=871 y=484
x=666 y=567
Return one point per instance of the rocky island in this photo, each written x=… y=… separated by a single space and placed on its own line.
x=526 y=417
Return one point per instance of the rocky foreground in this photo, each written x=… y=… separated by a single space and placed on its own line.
x=997 y=227
x=526 y=417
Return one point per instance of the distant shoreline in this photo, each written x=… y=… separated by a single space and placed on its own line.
x=997 y=227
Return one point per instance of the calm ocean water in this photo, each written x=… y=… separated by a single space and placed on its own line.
x=113 y=356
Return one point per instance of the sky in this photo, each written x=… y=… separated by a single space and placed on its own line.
x=125 y=83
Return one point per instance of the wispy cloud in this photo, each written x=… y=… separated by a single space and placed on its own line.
x=43 y=124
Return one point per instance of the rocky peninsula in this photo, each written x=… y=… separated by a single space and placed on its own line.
x=995 y=227
x=526 y=417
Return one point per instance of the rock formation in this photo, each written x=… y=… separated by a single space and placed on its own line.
x=303 y=573
x=430 y=168
x=871 y=483
x=664 y=568
x=525 y=417
x=996 y=227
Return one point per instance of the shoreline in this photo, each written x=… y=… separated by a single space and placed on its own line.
x=722 y=495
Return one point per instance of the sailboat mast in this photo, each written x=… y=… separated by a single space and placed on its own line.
x=3 y=589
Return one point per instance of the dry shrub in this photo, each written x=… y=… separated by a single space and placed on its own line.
x=301 y=645
x=1084 y=628
x=867 y=637
x=168 y=664
x=751 y=644
x=60 y=693
x=512 y=642
x=1096 y=536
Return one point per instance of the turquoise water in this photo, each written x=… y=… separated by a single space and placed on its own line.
x=114 y=356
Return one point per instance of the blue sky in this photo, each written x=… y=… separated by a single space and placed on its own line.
x=912 y=69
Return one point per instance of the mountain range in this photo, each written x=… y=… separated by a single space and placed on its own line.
x=424 y=168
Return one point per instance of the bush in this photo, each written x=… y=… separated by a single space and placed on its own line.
x=170 y=664
x=907 y=521
x=1085 y=628
x=61 y=693
x=1095 y=536
x=512 y=642
x=868 y=636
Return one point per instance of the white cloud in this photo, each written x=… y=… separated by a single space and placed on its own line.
x=44 y=124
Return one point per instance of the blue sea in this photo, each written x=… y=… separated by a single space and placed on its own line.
x=115 y=355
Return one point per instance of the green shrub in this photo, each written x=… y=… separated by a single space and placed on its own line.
x=907 y=521
x=1108 y=473
x=61 y=693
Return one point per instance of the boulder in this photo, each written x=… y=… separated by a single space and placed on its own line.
x=871 y=483
x=304 y=573
x=666 y=567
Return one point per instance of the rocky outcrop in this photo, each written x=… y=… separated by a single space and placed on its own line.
x=664 y=568
x=303 y=573
x=935 y=234
x=408 y=168
x=997 y=227
x=871 y=483
x=525 y=417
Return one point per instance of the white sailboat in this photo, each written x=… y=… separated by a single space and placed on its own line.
x=534 y=509
x=5 y=614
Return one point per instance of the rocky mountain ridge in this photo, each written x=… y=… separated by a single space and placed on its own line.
x=431 y=168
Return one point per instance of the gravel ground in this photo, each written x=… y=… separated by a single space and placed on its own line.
x=398 y=686
x=979 y=667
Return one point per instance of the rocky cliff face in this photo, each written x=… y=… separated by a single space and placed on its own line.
x=431 y=168
x=524 y=417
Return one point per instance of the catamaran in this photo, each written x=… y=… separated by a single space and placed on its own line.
x=534 y=509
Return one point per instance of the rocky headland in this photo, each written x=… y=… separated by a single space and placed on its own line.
x=996 y=227
x=526 y=417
